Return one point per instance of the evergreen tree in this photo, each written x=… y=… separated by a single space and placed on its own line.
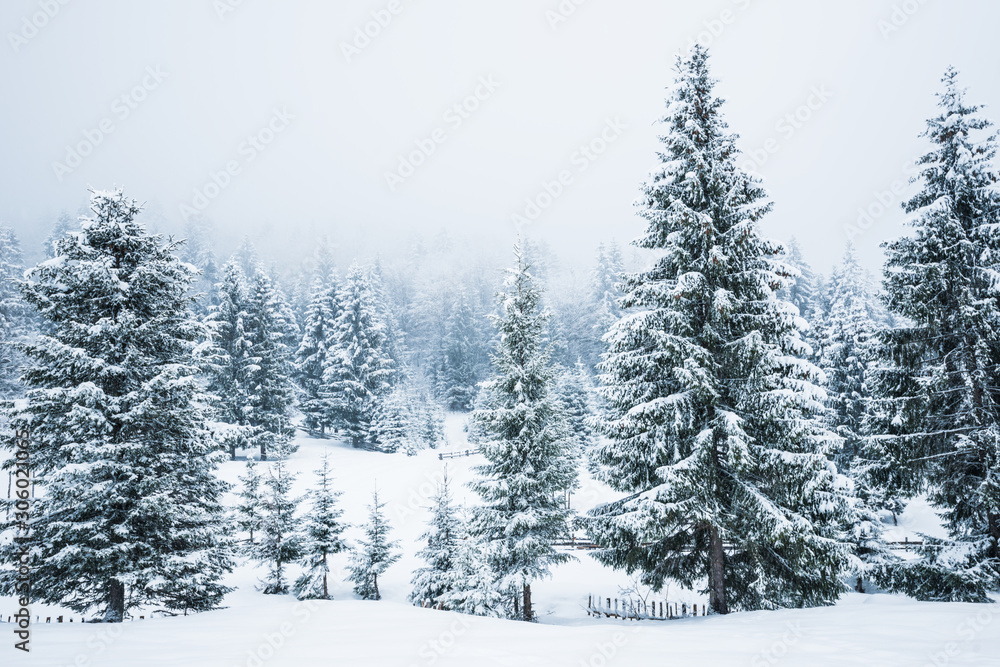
x=15 y=319
x=606 y=295
x=711 y=410
x=280 y=543
x=229 y=360
x=375 y=554
x=573 y=391
x=268 y=377
x=250 y=507
x=321 y=536
x=63 y=227
x=461 y=350
x=939 y=383
x=311 y=356
x=433 y=581
x=246 y=258
x=846 y=352
x=471 y=587
x=197 y=251
x=529 y=458
x=804 y=289
x=359 y=370
x=120 y=450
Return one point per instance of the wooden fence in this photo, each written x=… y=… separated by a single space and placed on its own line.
x=641 y=610
x=587 y=545
x=67 y=619
x=454 y=455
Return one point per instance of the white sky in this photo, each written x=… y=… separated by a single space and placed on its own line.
x=325 y=172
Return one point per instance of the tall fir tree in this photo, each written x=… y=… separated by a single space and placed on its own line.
x=360 y=370
x=939 y=383
x=529 y=457
x=250 y=503
x=460 y=356
x=606 y=295
x=433 y=581
x=117 y=421
x=64 y=225
x=229 y=360
x=311 y=355
x=269 y=376
x=15 y=318
x=374 y=554
x=280 y=544
x=711 y=411
x=321 y=536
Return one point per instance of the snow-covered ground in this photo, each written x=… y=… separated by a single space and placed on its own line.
x=256 y=630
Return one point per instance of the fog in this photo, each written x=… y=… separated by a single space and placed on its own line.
x=281 y=121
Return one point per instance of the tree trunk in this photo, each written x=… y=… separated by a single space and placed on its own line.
x=517 y=606
x=860 y=587
x=994 y=527
x=232 y=452
x=326 y=590
x=527 y=603
x=378 y=596
x=717 y=575
x=115 y=612
x=263 y=450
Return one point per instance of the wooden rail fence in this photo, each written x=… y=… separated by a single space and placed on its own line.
x=587 y=545
x=641 y=610
x=454 y=455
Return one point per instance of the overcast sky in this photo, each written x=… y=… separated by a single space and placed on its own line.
x=200 y=77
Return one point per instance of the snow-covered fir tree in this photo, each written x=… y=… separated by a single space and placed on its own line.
x=360 y=370
x=311 y=355
x=374 y=554
x=15 y=318
x=936 y=422
x=120 y=450
x=269 y=376
x=461 y=353
x=63 y=226
x=573 y=390
x=444 y=533
x=198 y=252
x=529 y=456
x=321 y=536
x=229 y=359
x=804 y=290
x=606 y=294
x=246 y=258
x=471 y=587
x=281 y=542
x=250 y=503
x=711 y=412
x=847 y=348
